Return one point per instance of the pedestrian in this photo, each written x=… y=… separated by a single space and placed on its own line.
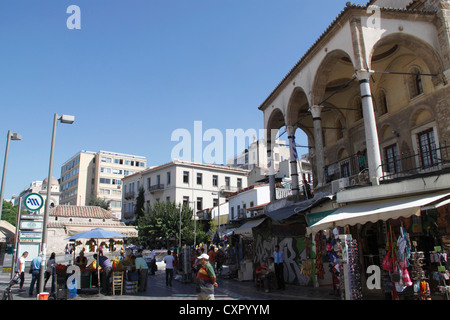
x=153 y=266
x=206 y=279
x=169 y=259
x=20 y=269
x=142 y=268
x=50 y=265
x=212 y=257
x=106 y=266
x=175 y=260
x=35 y=272
x=278 y=256
x=220 y=259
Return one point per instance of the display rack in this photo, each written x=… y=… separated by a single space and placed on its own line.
x=350 y=280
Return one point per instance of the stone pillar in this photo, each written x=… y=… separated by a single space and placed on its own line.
x=270 y=165
x=293 y=160
x=318 y=139
x=370 y=127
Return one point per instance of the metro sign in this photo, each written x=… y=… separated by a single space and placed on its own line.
x=33 y=202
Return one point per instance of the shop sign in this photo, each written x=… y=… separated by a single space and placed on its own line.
x=30 y=235
x=31 y=224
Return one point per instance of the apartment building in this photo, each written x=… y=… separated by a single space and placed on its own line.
x=89 y=175
x=199 y=185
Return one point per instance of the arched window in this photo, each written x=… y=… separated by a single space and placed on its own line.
x=415 y=82
x=339 y=130
x=358 y=109
x=382 y=103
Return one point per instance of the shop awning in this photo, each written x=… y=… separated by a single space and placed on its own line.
x=289 y=211
x=246 y=229
x=375 y=211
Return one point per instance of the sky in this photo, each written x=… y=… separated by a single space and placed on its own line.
x=138 y=70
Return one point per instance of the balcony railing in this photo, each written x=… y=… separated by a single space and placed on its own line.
x=354 y=166
x=401 y=166
x=157 y=187
x=412 y=164
x=129 y=195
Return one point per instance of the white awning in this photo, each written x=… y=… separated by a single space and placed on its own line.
x=375 y=211
x=246 y=229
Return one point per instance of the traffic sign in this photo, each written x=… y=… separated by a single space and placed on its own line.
x=33 y=202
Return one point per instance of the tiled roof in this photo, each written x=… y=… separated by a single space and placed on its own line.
x=81 y=212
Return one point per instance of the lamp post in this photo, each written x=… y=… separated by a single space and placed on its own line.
x=10 y=136
x=64 y=119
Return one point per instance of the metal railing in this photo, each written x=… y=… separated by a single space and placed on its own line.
x=157 y=187
x=422 y=162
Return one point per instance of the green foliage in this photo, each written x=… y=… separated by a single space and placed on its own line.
x=97 y=202
x=139 y=210
x=9 y=213
x=162 y=222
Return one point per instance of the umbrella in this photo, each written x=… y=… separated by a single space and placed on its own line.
x=97 y=233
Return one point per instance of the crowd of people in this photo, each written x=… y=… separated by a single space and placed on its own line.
x=206 y=264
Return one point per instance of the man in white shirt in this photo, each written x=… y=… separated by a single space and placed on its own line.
x=20 y=269
x=278 y=256
x=169 y=267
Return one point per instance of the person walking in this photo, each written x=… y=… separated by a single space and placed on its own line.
x=35 y=272
x=20 y=269
x=169 y=259
x=142 y=268
x=278 y=256
x=206 y=279
x=49 y=272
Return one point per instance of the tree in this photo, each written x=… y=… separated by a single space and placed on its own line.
x=97 y=202
x=9 y=212
x=162 y=222
x=139 y=210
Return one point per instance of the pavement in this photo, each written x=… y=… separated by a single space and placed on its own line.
x=228 y=289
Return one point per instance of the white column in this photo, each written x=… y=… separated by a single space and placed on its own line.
x=293 y=160
x=270 y=165
x=318 y=139
x=370 y=127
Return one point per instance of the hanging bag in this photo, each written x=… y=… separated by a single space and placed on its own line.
x=387 y=262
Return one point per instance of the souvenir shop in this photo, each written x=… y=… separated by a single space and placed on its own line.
x=403 y=258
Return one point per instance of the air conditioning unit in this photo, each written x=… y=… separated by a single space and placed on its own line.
x=338 y=185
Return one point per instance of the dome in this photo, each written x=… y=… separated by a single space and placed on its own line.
x=54 y=181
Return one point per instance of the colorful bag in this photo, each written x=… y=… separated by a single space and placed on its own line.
x=387 y=262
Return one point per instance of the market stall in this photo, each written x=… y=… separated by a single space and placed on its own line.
x=92 y=274
x=407 y=240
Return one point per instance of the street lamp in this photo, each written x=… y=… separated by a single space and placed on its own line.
x=68 y=119
x=10 y=136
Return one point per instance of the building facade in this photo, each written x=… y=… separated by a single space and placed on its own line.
x=199 y=185
x=89 y=175
x=372 y=96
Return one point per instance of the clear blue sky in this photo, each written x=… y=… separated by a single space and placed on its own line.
x=139 y=69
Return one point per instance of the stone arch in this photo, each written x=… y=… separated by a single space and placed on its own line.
x=274 y=123
x=421 y=116
x=414 y=45
x=336 y=69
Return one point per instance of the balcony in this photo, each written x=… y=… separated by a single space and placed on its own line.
x=229 y=189
x=156 y=188
x=129 y=195
x=414 y=164
x=423 y=164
